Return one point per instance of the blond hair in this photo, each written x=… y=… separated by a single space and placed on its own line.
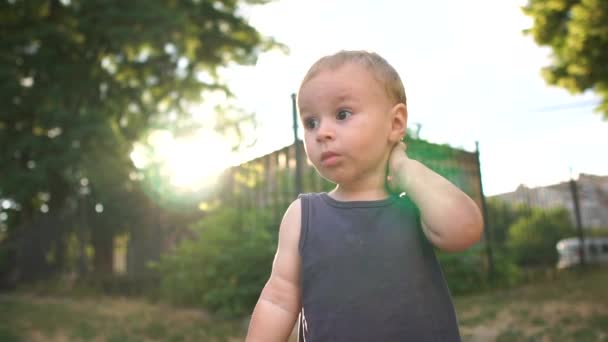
x=374 y=63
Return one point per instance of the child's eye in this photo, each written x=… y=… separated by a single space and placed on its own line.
x=311 y=123
x=343 y=114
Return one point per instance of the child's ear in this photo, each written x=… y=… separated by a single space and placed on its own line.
x=398 y=123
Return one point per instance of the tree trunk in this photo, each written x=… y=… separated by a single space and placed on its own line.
x=103 y=245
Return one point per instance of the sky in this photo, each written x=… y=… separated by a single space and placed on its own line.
x=469 y=73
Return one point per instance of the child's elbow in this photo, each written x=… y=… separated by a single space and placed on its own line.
x=470 y=230
x=466 y=231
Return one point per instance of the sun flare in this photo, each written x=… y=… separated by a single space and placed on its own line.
x=197 y=161
x=188 y=163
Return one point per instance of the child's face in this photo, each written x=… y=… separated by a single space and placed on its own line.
x=346 y=115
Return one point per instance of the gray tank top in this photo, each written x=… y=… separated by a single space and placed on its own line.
x=369 y=274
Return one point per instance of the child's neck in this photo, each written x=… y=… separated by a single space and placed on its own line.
x=343 y=193
x=368 y=186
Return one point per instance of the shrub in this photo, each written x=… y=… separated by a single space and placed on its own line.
x=464 y=271
x=532 y=239
x=226 y=266
x=468 y=271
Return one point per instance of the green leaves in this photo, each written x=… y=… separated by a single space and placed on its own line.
x=102 y=73
x=577 y=33
x=532 y=239
x=82 y=80
x=226 y=266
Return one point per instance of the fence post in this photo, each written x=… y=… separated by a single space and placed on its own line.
x=577 y=216
x=484 y=212
x=82 y=222
x=298 y=147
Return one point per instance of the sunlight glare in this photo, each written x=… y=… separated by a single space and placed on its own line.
x=195 y=162
x=189 y=163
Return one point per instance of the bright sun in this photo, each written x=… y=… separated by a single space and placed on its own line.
x=197 y=161
x=189 y=163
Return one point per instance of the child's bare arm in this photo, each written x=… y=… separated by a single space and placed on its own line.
x=279 y=304
x=451 y=220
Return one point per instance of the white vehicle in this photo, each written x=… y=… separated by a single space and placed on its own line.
x=569 y=251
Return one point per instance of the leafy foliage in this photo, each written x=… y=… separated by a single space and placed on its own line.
x=532 y=238
x=467 y=272
x=501 y=216
x=463 y=271
x=226 y=266
x=522 y=237
x=87 y=78
x=577 y=33
x=81 y=81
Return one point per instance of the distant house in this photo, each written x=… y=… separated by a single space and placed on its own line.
x=593 y=198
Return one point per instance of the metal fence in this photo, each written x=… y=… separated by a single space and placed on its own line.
x=274 y=180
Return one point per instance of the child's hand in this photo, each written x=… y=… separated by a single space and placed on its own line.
x=397 y=168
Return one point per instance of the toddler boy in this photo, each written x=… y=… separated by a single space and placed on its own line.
x=357 y=263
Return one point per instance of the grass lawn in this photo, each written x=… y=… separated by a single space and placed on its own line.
x=570 y=307
x=26 y=317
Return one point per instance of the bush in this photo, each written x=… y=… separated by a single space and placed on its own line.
x=226 y=266
x=596 y=232
x=532 y=239
x=465 y=271
x=501 y=216
x=468 y=271
x=506 y=273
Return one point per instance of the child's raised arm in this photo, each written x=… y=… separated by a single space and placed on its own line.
x=450 y=218
x=279 y=304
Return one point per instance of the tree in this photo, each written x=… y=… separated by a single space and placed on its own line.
x=532 y=238
x=501 y=216
x=80 y=81
x=577 y=33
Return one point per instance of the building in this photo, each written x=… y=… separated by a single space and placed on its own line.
x=592 y=193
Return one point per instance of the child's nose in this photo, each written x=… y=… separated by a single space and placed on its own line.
x=325 y=131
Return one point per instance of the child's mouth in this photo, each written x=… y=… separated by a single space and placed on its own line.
x=329 y=158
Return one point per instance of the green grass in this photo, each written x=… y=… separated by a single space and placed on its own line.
x=105 y=319
x=567 y=307
x=570 y=306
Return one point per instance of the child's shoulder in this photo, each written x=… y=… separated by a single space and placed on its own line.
x=293 y=211
x=290 y=228
x=312 y=195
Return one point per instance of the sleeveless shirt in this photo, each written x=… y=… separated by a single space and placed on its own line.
x=369 y=274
